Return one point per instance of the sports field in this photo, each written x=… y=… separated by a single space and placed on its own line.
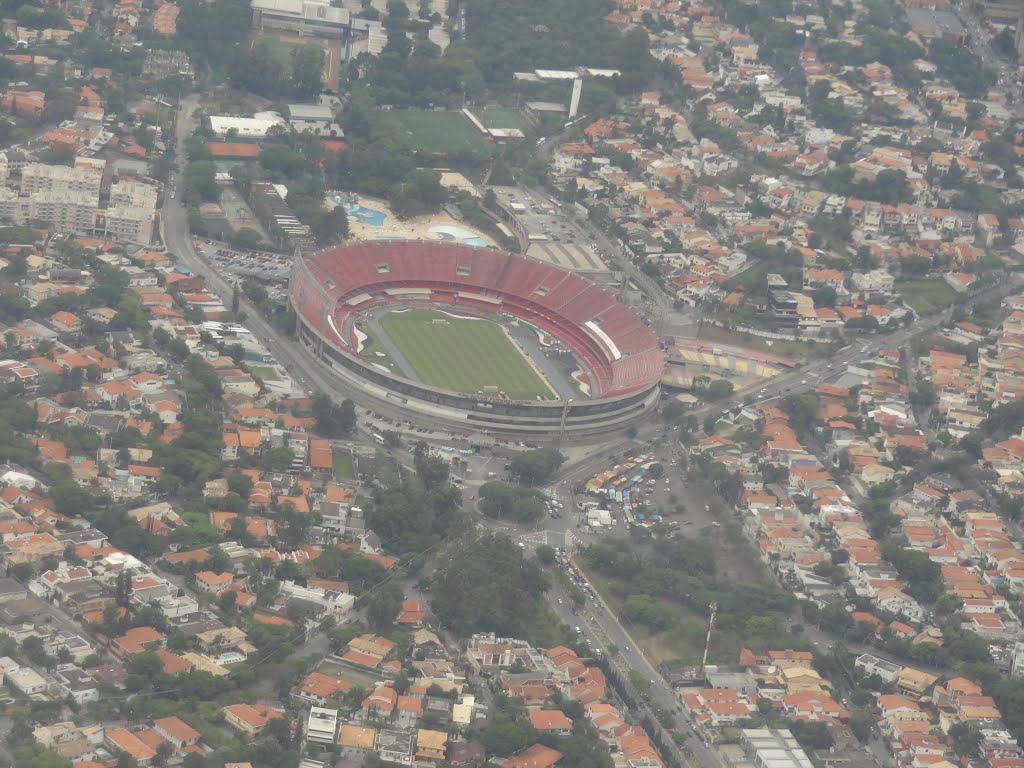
x=438 y=132
x=926 y=295
x=505 y=118
x=463 y=355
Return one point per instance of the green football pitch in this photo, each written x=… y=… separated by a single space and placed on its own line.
x=438 y=132
x=463 y=355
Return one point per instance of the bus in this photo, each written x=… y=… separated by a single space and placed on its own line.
x=379 y=438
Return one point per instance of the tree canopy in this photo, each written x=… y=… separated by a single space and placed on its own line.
x=508 y=502
x=536 y=466
x=489 y=586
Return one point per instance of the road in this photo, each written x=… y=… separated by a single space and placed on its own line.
x=600 y=620
x=598 y=624
x=980 y=43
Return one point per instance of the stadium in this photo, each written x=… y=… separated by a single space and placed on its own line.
x=477 y=338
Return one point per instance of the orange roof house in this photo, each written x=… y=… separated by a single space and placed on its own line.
x=412 y=613
x=550 y=720
x=123 y=740
x=176 y=731
x=136 y=640
x=28 y=103
x=250 y=719
x=318 y=687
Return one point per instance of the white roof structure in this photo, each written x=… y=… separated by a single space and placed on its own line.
x=247 y=127
x=322 y=725
x=311 y=112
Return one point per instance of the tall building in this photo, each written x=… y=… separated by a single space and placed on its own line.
x=133 y=194
x=36 y=177
x=64 y=210
x=13 y=209
x=129 y=224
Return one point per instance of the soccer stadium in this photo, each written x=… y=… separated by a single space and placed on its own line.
x=477 y=338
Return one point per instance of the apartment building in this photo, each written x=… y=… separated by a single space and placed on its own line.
x=128 y=224
x=13 y=209
x=64 y=210
x=133 y=194
x=36 y=177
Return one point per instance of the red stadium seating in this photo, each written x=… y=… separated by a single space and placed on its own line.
x=556 y=301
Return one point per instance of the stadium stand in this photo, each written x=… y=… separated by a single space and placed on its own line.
x=622 y=354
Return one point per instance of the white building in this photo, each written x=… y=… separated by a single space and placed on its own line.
x=24 y=679
x=64 y=210
x=305 y=17
x=770 y=748
x=873 y=665
x=75 y=683
x=316 y=118
x=128 y=224
x=36 y=177
x=255 y=127
x=328 y=599
x=132 y=194
x=322 y=725
x=13 y=208
x=1017 y=670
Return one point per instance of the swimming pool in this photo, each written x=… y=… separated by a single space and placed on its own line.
x=229 y=657
x=363 y=215
x=450 y=232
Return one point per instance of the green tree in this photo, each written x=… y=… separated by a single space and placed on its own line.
x=383 y=606
x=507 y=502
x=537 y=466
x=490 y=587
x=307 y=70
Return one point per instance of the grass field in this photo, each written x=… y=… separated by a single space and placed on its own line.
x=783 y=347
x=926 y=295
x=343 y=465
x=265 y=372
x=281 y=50
x=505 y=118
x=463 y=355
x=682 y=643
x=438 y=132
x=751 y=277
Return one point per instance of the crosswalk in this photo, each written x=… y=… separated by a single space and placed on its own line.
x=537 y=538
x=564 y=539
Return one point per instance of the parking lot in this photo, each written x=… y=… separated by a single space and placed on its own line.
x=259 y=264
